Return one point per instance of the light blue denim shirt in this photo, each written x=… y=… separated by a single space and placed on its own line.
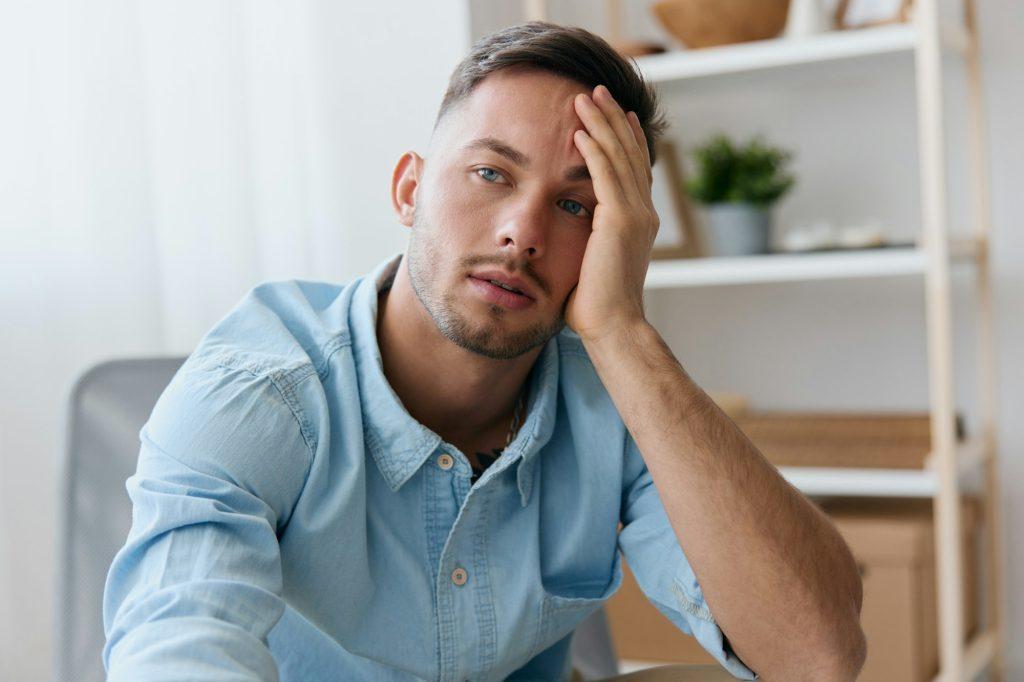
x=291 y=520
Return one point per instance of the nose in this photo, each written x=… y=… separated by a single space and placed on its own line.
x=523 y=228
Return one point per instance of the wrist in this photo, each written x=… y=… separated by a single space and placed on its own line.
x=618 y=337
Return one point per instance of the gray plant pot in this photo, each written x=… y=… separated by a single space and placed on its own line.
x=736 y=229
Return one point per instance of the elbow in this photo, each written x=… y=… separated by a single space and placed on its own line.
x=837 y=655
x=832 y=663
x=851 y=656
x=848 y=646
x=847 y=651
x=855 y=652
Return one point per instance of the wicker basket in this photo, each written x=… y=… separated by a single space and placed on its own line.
x=704 y=23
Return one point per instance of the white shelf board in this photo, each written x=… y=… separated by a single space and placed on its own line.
x=792 y=267
x=632 y=665
x=779 y=52
x=865 y=482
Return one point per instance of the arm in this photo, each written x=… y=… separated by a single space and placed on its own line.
x=778 y=576
x=196 y=588
x=662 y=571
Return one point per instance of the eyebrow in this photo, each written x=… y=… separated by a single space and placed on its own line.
x=574 y=174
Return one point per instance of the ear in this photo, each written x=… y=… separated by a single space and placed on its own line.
x=404 y=182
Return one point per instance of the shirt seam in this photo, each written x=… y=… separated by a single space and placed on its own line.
x=284 y=380
x=688 y=604
x=290 y=398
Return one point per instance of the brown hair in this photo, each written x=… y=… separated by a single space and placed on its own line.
x=572 y=52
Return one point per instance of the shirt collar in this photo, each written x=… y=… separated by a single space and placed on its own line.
x=400 y=444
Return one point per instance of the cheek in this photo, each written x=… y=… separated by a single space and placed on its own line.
x=569 y=259
x=576 y=246
x=463 y=210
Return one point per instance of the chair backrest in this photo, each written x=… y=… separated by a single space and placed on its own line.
x=107 y=407
x=592 y=650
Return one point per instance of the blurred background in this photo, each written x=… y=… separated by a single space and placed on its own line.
x=158 y=159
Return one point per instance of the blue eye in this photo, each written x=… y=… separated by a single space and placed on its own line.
x=574 y=208
x=488 y=170
x=577 y=205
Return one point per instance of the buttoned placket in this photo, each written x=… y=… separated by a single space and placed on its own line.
x=455 y=514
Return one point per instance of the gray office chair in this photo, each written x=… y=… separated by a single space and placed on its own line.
x=106 y=409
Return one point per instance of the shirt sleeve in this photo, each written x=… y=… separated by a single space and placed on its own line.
x=197 y=586
x=662 y=571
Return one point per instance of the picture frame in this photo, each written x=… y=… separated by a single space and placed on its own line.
x=852 y=14
x=678 y=236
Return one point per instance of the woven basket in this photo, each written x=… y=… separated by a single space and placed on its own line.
x=705 y=23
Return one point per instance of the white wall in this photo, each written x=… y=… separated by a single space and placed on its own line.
x=158 y=160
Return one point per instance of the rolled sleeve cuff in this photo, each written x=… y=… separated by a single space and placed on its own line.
x=706 y=631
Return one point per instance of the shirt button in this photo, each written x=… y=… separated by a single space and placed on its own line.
x=459 y=576
x=445 y=461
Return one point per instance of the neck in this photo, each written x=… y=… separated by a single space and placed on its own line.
x=454 y=392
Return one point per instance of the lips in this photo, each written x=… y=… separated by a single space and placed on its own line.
x=501 y=279
x=497 y=295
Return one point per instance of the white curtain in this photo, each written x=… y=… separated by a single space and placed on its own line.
x=157 y=159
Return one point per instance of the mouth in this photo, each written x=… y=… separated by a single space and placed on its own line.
x=500 y=293
x=505 y=281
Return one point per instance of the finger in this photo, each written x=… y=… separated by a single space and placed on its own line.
x=620 y=124
x=634 y=124
x=641 y=140
x=600 y=130
x=607 y=187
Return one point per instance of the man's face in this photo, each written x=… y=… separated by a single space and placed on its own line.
x=524 y=214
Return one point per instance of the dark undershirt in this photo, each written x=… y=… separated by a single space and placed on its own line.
x=485 y=461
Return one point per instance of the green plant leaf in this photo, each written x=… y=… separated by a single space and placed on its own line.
x=756 y=173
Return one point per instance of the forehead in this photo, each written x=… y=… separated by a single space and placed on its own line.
x=528 y=108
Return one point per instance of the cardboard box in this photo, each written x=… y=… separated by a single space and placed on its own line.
x=893 y=543
x=640 y=632
x=839 y=439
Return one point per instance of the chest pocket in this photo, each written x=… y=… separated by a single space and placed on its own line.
x=562 y=613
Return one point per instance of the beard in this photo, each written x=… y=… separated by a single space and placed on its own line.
x=488 y=337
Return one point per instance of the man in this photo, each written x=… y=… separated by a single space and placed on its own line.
x=422 y=474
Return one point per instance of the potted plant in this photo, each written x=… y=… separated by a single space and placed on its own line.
x=737 y=186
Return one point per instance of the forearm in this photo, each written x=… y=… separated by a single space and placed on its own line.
x=778 y=577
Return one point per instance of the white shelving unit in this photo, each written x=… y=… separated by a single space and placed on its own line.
x=695 y=272
x=953 y=468
x=768 y=54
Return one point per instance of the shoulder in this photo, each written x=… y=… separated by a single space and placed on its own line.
x=246 y=405
x=576 y=370
x=585 y=396
x=283 y=326
x=570 y=347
